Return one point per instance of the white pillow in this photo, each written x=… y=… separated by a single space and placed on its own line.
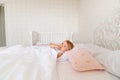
x=93 y=49
x=111 y=62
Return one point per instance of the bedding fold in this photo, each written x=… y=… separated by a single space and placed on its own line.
x=28 y=63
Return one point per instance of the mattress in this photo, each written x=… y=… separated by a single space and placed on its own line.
x=66 y=72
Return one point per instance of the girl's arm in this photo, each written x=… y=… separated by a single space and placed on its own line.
x=52 y=45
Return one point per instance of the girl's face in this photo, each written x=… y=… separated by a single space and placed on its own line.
x=64 y=46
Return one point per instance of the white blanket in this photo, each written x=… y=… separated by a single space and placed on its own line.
x=28 y=63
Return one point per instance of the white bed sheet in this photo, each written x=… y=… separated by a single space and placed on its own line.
x=66 y=72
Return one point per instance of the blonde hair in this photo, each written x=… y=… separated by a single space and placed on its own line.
x=70 y=44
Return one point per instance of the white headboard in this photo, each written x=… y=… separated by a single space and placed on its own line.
x=108 y=37
x=47 y=37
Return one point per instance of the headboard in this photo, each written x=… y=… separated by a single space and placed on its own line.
x=47 y=37
x=108 y=37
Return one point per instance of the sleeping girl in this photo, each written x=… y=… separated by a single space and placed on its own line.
x=25 y=63
x=62 y=48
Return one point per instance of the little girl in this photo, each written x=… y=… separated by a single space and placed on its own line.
x=64 y=46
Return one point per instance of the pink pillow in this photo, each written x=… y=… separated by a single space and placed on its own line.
x=82 y=60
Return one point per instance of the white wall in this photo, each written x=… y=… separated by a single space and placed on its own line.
x=78 y=16
x=23 y=16
x=93 y=14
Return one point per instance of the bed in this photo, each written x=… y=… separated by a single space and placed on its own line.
x=105 y=42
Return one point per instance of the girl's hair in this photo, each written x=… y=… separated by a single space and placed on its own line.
x=70 y=44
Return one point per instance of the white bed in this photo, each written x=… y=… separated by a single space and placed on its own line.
x=63 y=70
x=66 y=72
x=107 y=37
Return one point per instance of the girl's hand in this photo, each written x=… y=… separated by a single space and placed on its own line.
x=58 y=47
x=52 y=45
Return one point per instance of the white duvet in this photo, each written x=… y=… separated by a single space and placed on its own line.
x=28 y=63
